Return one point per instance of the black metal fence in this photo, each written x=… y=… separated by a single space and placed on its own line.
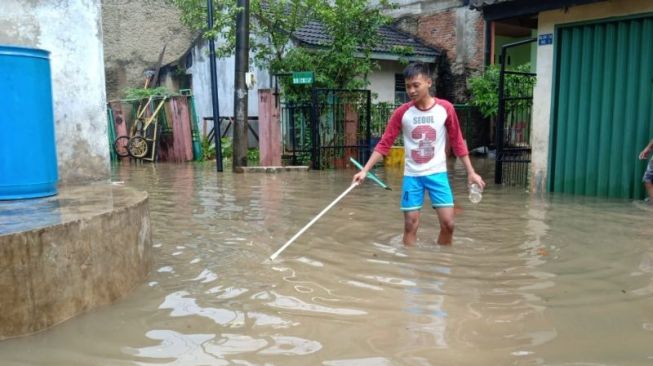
x=226 y=129
x=336 y=124
x=380 y=114
x=325 y=131
x=296 y=135
x=340 y=121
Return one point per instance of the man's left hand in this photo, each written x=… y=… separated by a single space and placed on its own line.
x=475 y=178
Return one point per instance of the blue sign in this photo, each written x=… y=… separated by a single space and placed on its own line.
x=545 y=39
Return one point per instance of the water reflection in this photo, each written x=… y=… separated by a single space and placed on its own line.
x=175 y=348
x=23 y=215
x=71 y=204
x=182 y=305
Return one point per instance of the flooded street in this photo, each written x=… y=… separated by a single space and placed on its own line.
x=528 y=281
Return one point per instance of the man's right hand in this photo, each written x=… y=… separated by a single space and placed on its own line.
x=359 y=177
x=644 y=154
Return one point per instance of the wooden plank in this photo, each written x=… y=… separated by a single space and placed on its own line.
x=269 y=130
x=183 y=142
x=186 y=131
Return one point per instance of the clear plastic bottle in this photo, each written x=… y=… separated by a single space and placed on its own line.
x=475 y=193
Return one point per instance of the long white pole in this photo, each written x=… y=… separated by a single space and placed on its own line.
x=276 y=254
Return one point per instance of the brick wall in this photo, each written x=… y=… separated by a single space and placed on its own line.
x=439 y=30
x=458 y=31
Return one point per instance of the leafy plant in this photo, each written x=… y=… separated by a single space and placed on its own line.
x=485 y=92
x=194 y=16
x=403 y=52
x=208 y=148
x=253 y=156
x=142 y=93
x=485 y=88
x=272 y=24
x=353 y=27
x=227 y=147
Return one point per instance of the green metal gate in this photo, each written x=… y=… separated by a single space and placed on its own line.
x=603 y=107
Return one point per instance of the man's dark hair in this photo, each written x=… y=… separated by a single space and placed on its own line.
x=416 y=68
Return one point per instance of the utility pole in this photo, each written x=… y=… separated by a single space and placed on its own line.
x=240 y=90
x=214 y=91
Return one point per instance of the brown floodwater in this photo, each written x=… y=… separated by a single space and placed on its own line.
x=529 y=280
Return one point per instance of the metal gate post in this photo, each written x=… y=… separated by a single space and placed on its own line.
x=315 y=134
x=293 y=139
x=498 y=166
x=368 y=111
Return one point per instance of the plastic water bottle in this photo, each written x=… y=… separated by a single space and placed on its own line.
x=475 y=193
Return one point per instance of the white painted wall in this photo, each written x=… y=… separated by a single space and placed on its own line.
x=382 y=81
x=201 y=76
x=71 y=30
x=544 y=87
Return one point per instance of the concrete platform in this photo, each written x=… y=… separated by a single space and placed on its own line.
x=275 y=169
x=67 y=254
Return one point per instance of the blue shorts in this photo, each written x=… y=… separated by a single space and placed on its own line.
x=648 y=175
x=412 y=192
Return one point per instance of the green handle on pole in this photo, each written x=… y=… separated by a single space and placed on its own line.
x=370 y=175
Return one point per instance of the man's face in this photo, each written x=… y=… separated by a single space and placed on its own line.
x=418 y=86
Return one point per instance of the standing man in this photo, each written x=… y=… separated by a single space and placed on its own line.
x=426 y=123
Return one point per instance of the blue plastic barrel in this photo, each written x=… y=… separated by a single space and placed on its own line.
x=28 y=157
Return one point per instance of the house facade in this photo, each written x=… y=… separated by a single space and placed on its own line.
x=134 y=36
x=592 y=100
x=386 y=83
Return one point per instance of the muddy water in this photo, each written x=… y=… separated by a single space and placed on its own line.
x=528 y=281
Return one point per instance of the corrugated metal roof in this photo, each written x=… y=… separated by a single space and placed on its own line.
x=315 y=34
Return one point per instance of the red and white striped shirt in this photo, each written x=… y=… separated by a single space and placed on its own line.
x=425 y=134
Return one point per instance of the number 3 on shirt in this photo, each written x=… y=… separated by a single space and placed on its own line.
x=424 y=136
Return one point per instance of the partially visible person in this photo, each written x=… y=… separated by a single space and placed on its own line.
x=648 y=174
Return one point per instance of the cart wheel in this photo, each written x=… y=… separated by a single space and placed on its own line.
x=120 y=146
x=138 y=147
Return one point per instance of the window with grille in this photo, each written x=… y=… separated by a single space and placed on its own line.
x=400 y=89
